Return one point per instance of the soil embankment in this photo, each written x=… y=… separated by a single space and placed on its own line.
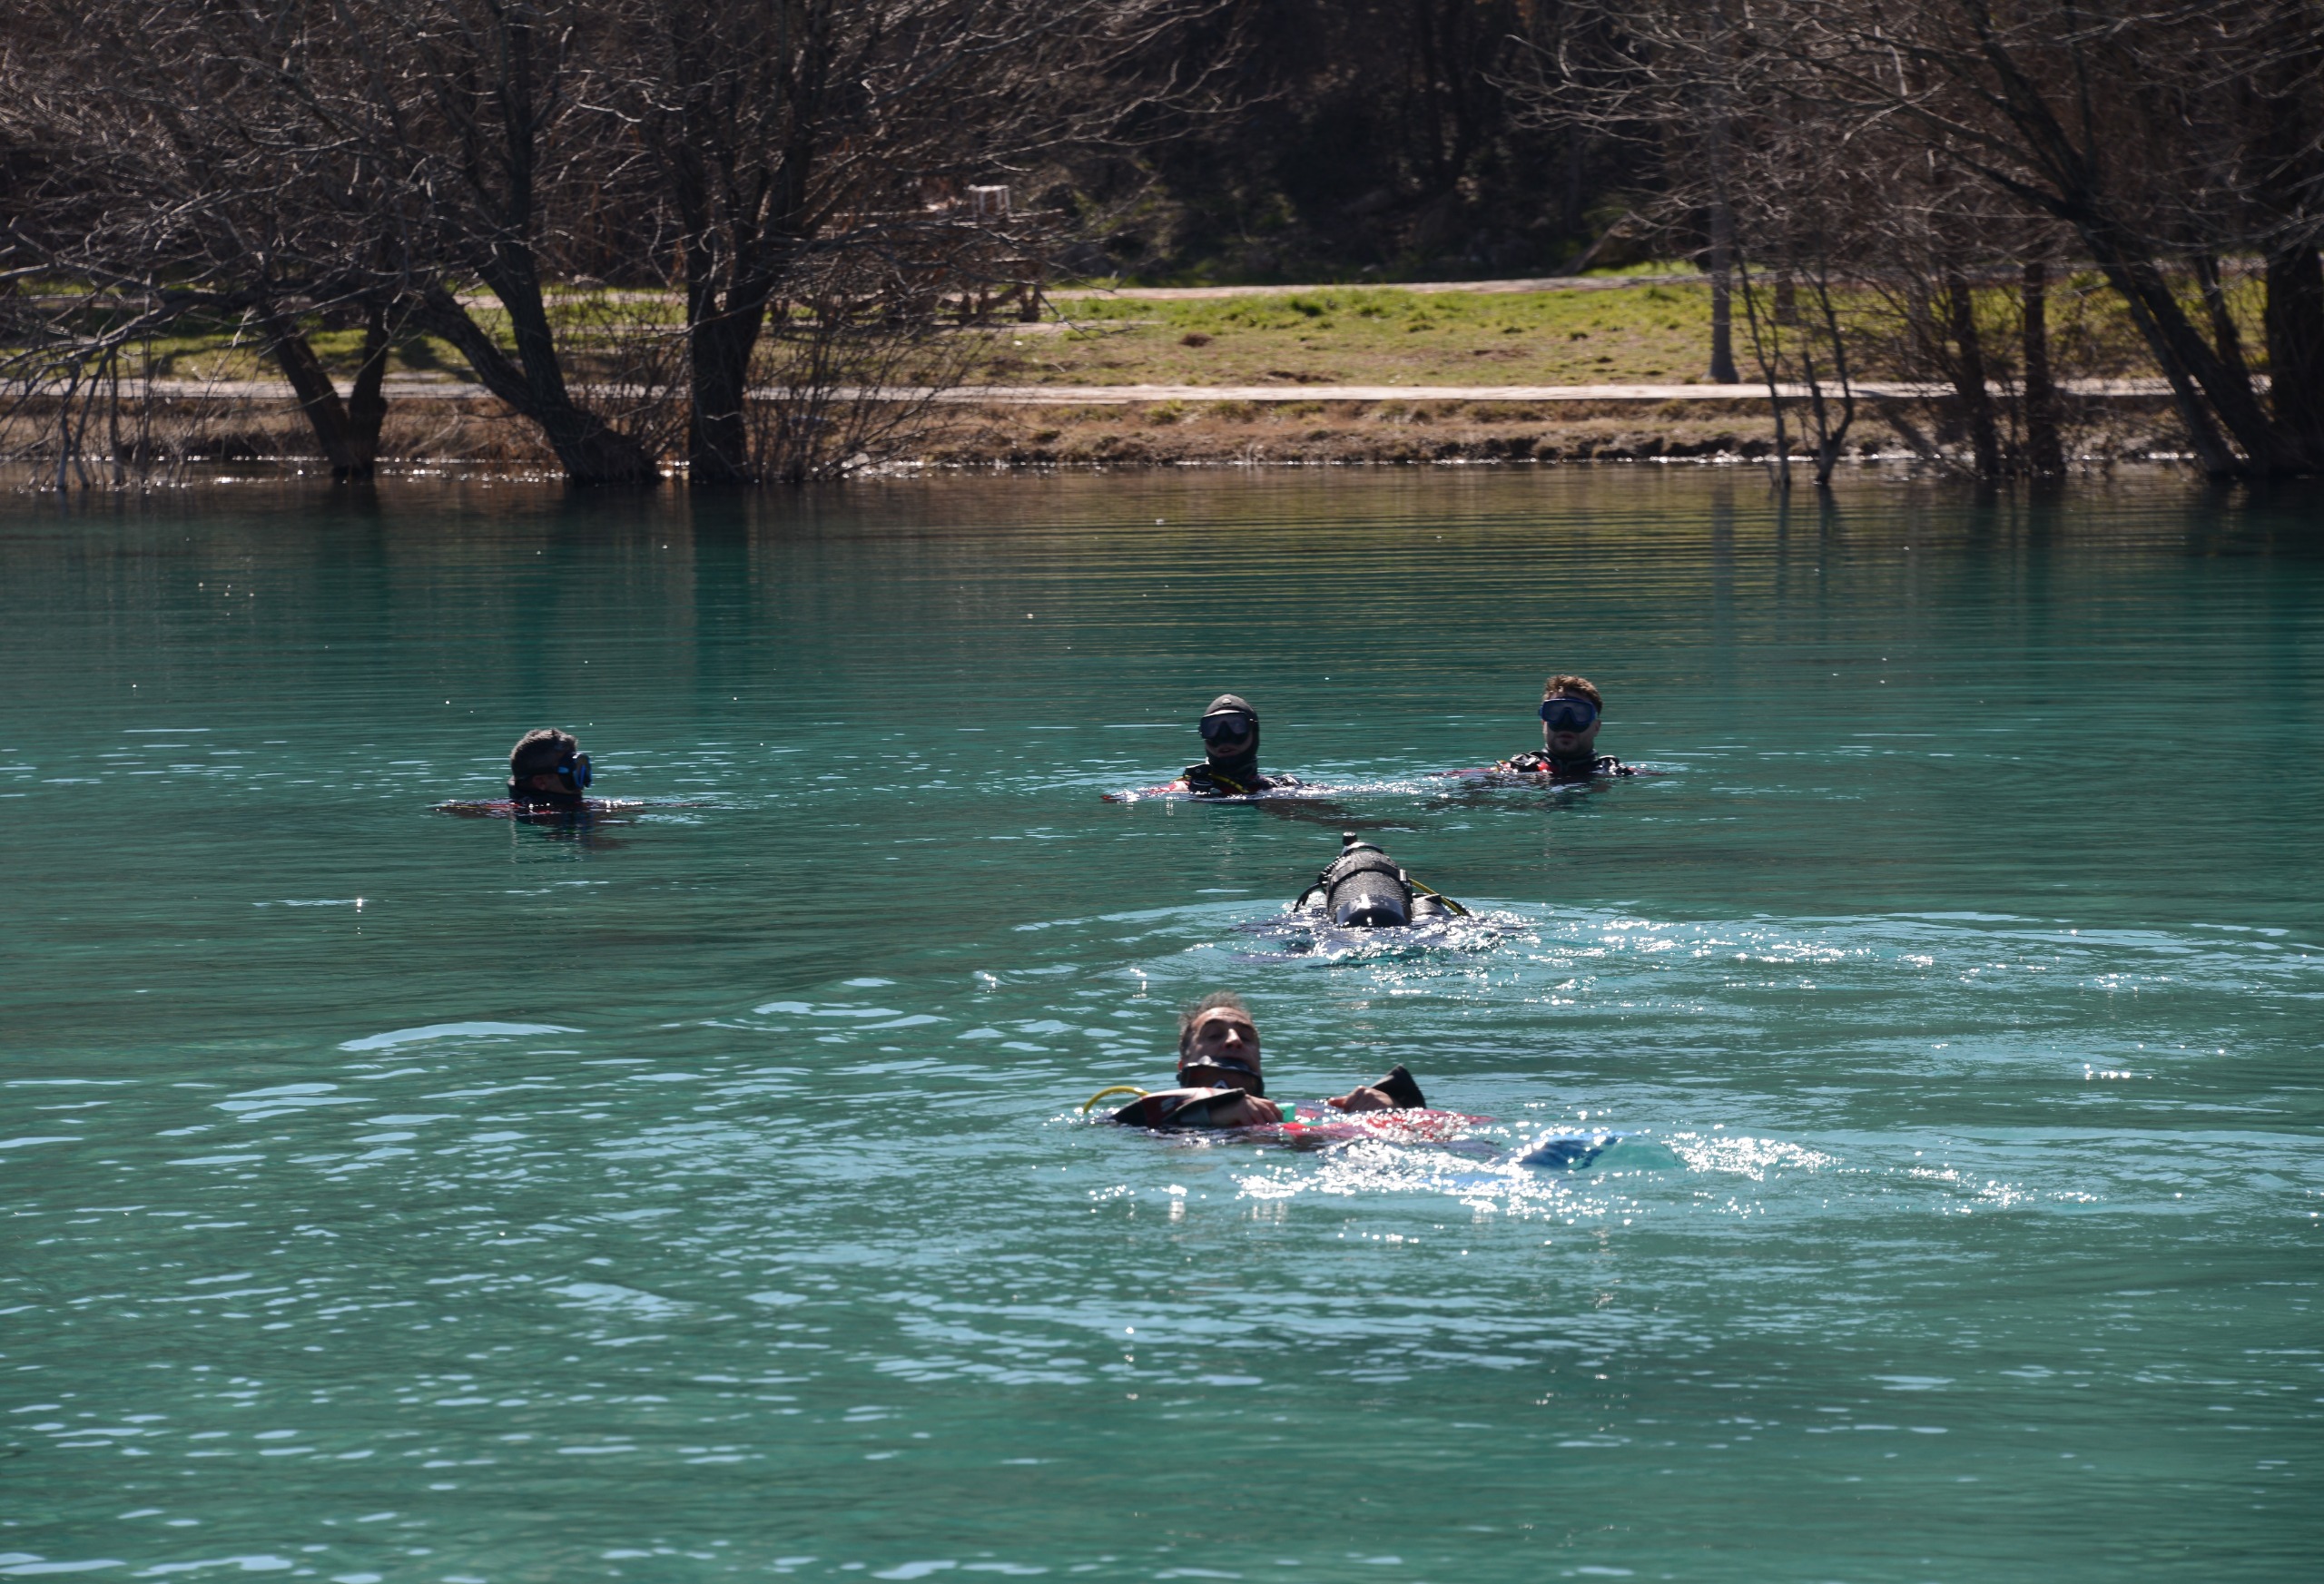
x=1023 y=430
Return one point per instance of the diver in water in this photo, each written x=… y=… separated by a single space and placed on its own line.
x=547 y=770
x=1230 y=746
x=1571 y=707
x=1364 y=889
x=1219 y=1083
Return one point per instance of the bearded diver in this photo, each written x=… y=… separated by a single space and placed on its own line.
x=1571 y=708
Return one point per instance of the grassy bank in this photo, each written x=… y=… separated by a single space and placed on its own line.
x=1608 y=332
x=1655 y=333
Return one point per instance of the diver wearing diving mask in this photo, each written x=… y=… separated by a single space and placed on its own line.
x=1571 y=708
x=1230 y=746
x=547 y=769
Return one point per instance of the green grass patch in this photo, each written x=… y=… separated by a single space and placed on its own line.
x=1378 y=335
x=1656 y=332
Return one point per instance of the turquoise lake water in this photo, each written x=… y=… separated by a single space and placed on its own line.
x=395 y=1195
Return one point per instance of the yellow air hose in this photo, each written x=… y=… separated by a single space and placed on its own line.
x=1458 y=910
x=1117 y=1089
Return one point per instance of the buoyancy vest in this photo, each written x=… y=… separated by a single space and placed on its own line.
x=1540 y=764
x=1207 y=780
x=1166 y=1109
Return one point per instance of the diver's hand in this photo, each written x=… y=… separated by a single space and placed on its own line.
x=1362 y=1099
x=1245 y=1111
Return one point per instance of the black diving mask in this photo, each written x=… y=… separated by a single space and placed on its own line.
x=1568 y=714
x=1227 y=728
x=1222 y=1065
x=574 y=772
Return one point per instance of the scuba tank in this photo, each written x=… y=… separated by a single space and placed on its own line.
x=1364 y=889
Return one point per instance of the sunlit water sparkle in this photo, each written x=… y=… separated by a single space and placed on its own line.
x=702 y=1191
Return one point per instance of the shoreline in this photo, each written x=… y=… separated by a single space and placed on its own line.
x=1431 y=425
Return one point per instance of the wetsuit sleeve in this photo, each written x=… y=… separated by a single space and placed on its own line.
x=1402 y=1088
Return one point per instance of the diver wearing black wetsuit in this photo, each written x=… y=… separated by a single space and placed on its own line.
x=1571 y=711
x=547 y=771
x=1219 y=1082
x=1230 y=742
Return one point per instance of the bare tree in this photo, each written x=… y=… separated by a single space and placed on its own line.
x=2167 y=134
x=773 y=127
x=163 y=193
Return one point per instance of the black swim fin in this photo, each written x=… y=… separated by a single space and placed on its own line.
x=1400 y=1087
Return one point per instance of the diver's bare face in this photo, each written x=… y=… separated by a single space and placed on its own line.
x=1220 y=1032
x=1581 y=745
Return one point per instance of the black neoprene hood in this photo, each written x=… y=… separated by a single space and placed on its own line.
x=1243 y=766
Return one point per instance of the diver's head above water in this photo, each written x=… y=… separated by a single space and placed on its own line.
x=547 y=766
x=1570 y=709
x=1218 y=1045
x=1218 y=1076
x=1230 y=737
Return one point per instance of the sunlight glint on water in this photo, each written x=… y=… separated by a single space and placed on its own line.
x=397 y=1196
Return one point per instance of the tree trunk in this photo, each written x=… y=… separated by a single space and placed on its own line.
x=2045 y=453
x=311 y=383
x=1969 y=375
x=1722 y=301
x=366 y=402
x=2289 y=119
x=1576 y=174
x=1722 y=214
x=591 y=450
x=2187 y=362
x=720 y=341
x=1832 y=437
x=2226 y=337
x=2295 y=325
x=718 y=440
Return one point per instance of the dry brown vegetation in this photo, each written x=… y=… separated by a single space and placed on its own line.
x=727 y=239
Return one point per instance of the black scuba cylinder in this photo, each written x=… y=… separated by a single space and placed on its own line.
x=1364 y=889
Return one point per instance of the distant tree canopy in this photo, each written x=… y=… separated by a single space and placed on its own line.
x=1403 y=138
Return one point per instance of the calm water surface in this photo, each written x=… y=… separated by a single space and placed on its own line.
x=392 y=1196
